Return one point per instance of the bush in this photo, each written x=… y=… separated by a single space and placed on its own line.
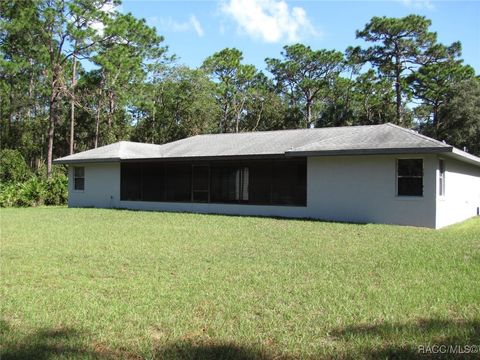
x=35 y=191
x=13 y=167
x=56 y=190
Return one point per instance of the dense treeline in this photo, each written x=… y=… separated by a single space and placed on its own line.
x=77 y=74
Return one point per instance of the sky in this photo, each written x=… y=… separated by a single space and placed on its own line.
x=194 y=30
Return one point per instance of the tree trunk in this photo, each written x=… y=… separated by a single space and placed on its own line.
x=111 y=107
x=398 y=89
x=72 y=105
x=309 y=112
x=97 y=126
x=51 y=131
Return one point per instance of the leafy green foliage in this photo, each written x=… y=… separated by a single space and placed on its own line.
x=35 y=191
x=398 y=45
x=460 y=116
x=304 y=76
x=51 y=106
x=13 y=167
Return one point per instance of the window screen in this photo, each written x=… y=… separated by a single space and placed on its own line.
x=178 y=185
x=267 y=182
x=79 y=178
x=289 y=183
x=200 y=183
x=153 y=182
x=131 y=182
x=410 y=177
x=229 y=183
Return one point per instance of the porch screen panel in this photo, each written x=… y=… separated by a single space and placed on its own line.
x=200 y=183
x=178 y=185
x=131 y=182
x=153 y=176
x=289 y=183
x=260 y=182
x=227 y=183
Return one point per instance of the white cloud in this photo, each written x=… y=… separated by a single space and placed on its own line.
x=192 y=24
x=270 y=20
x=418 y=4
x=109 y=8
x=196 y=25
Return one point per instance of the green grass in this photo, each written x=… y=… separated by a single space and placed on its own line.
x=107 y=284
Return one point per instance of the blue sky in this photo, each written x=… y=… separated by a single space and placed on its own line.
x=194 y=30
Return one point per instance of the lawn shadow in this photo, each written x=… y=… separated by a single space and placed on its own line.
x=184 y=350
x=43 y=344
x=273 y=217
x=422 y=339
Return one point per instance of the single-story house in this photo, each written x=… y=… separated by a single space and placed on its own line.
x=367 y=174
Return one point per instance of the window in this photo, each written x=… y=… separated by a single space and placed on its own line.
x=79 y=178
x=441 y=177
x=410 y=177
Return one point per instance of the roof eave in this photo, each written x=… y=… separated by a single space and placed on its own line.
x=385 y=151
x=464 y=156
x=84 y=161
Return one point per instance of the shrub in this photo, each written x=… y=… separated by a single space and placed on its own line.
x=32 y=192
x=13 y=167
x=56 y=190
x=35 y=191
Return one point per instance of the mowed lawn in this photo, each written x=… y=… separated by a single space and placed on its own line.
x=108 y=284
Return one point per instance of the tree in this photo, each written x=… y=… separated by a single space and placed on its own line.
x=123 y=57
x=234 y=81
x=303 y=76
x=460 y=116
x=55 y=35
x=180 y=105
x=399 y=46
x=433 y=81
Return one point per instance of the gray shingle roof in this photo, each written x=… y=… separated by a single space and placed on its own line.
x=373 y=139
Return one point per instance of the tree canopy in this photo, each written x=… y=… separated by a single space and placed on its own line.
x=77 y=74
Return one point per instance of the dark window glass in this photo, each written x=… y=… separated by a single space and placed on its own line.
x=178 y=185
x=153 y=182
x=131 y=182
x=79 y=178
x=410 y=177
x=79 y=184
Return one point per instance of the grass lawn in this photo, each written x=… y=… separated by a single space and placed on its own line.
x=108 y=284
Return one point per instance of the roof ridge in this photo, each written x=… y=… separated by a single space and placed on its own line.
x=297 y=129
x=415 y=133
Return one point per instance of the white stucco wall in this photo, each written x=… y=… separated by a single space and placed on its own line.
x=102 y=186
x=340 y=188
x=462 y=193
x=363 y=189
